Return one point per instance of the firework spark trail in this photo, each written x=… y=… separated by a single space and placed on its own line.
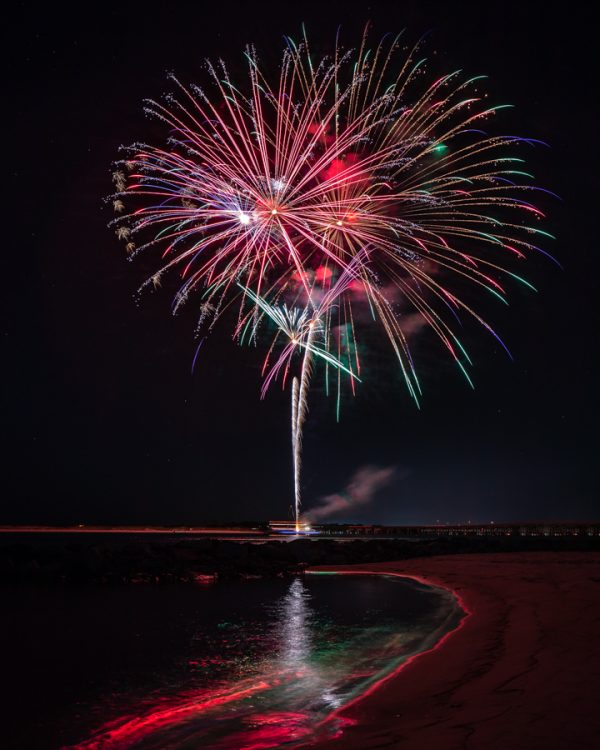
x=299 y=410
x=302 y=327
x=296 y=450
x=350 y=182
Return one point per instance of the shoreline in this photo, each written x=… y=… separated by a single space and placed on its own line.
x=521 y=669
x=89 y=558
x=340 y=715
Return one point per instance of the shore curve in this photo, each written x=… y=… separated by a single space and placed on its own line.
x=521 y=671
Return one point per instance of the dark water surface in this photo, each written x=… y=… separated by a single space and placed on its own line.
x=238 y=665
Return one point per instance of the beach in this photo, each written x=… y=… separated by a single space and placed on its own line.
x=522 y=670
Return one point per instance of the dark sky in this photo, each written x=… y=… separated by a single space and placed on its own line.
x=105 y=422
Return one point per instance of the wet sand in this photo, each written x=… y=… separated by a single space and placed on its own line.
x=522 y=671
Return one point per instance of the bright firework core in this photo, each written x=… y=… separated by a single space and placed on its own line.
x=367 y=140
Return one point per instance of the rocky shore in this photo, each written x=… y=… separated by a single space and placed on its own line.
x=113 y=559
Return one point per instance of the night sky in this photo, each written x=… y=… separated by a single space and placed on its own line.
x=105 y=422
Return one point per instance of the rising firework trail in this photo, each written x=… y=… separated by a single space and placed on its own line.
x=302 y=329
x=347 y=191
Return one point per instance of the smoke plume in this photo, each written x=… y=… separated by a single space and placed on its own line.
x=360 y=491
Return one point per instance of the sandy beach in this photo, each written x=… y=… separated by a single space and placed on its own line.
x=521 y=671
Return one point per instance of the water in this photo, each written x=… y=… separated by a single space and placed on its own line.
x=237 y=665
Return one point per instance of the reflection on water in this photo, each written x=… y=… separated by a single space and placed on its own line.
x=274 y=679
x=294 y=624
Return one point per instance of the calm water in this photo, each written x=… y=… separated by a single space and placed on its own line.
x=237 y=665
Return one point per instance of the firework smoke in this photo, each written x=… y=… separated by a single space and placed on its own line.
x=361 y=490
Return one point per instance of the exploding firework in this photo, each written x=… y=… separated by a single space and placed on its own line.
x=347 y=191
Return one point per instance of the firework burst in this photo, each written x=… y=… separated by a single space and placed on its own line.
x=347 y=184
